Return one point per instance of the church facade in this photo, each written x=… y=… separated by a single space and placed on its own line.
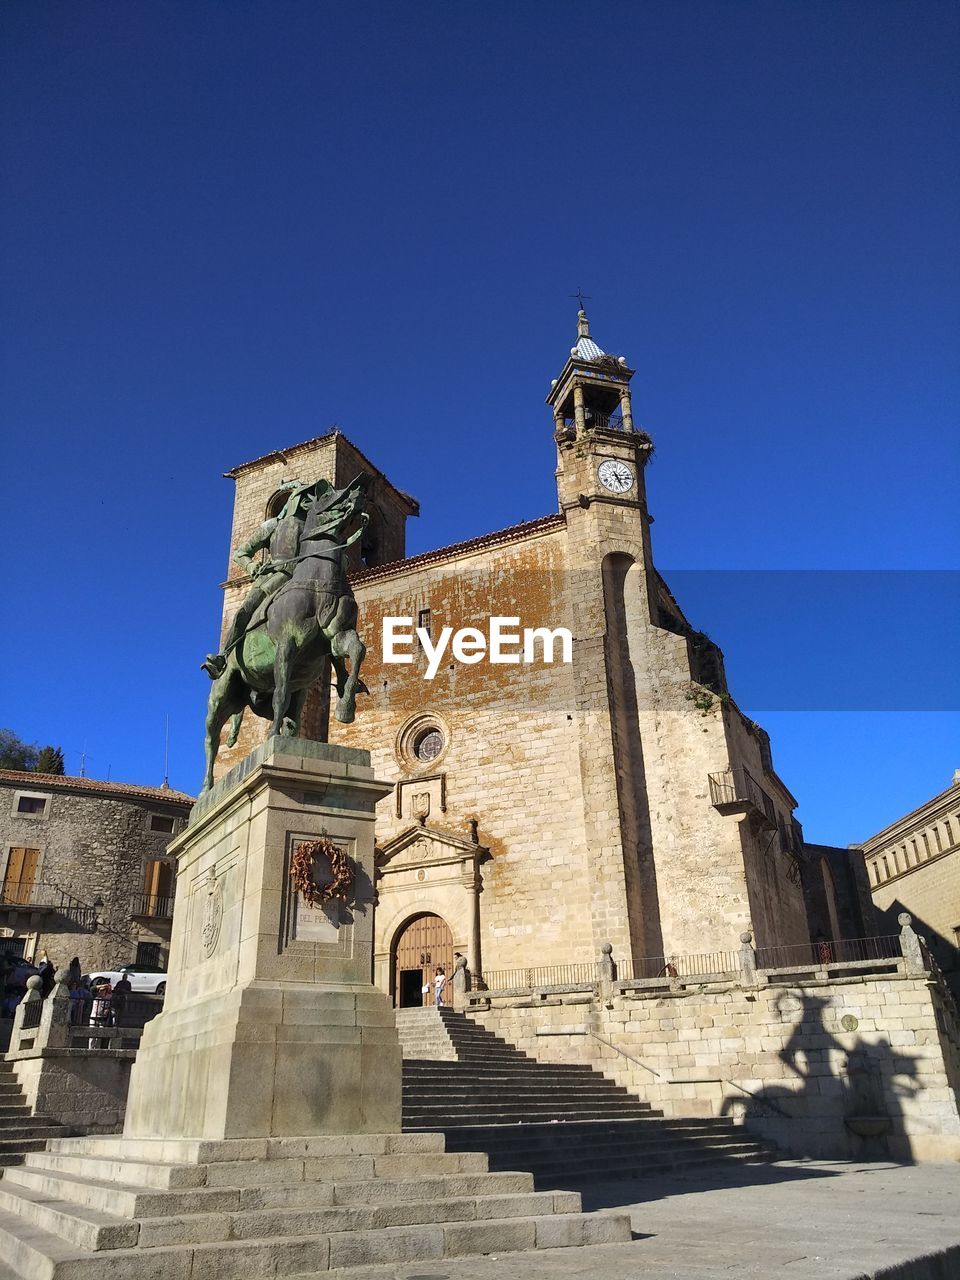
x=542 y=809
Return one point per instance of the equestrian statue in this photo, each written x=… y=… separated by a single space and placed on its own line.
x=298 y=617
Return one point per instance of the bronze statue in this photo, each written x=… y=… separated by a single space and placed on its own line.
x=298 y=615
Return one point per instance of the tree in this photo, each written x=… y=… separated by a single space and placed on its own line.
x=15 y=753
x=50 y=760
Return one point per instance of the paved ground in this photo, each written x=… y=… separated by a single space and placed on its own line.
x=802 y=1220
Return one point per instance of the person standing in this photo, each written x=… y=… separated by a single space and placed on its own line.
x=46 y=970
x=439 y=981
x=120 y=993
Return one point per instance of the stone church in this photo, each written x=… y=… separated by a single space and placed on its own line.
x=541 y=810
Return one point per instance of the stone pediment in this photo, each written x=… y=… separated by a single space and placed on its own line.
x=423 y=845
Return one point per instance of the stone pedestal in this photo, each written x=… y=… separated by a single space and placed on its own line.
x=271 y=1025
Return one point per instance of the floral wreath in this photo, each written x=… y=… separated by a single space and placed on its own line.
x=301 y=872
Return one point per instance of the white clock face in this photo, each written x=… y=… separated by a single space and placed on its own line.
x=615 y=476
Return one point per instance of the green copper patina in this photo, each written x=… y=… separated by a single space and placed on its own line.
x=298 y=616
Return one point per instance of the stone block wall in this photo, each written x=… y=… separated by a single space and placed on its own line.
x=85 y=1089
x=813 y=1067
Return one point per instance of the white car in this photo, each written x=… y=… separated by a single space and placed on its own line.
x=145 y=979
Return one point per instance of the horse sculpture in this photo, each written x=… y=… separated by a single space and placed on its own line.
x=296 y=631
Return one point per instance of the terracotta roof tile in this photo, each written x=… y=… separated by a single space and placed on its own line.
x=54 y=781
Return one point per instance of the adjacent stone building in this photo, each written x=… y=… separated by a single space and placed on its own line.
x=85 y=870
x=914 y=865
x=543 y=808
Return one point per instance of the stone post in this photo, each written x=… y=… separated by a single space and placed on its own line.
x=748 y=960
x=607 y=971
x=27 y=1012
x=579 y=409
x=910 y=946
x=461 y=980
x=55 y=1019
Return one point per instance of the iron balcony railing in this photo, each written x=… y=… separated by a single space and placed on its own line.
x=43 y=895
x=116 y=1011
x=155 y=906
x=710 y=964
x=822 y=954
x=726 y=791
x=557 y=975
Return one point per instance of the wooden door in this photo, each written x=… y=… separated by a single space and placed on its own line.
x=20 y=876
x=425 y=943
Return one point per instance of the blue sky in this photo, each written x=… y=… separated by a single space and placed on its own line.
x=227 y=226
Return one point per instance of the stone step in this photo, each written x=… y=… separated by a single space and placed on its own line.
x=565 y=1133
x=455 y=1091
x=40 y=1255
x=13 y=1109
x=16 y=1147
x=430 y=1118
x=17 y=1122
x=78 y=1224
x=95 y=1229
x=576 y=1172
x=204 y=1151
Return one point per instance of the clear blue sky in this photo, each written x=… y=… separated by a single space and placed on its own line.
x=226 y=226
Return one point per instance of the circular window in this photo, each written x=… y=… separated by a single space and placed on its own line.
x=427 y=745
x=422 y=741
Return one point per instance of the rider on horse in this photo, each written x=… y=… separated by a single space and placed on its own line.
x=280 y=536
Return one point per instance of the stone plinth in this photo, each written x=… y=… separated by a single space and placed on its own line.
x=271 y=1025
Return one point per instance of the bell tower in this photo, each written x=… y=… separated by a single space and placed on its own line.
x=612 y=583
x=601 y=455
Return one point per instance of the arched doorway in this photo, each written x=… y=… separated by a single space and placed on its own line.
x=421 y=945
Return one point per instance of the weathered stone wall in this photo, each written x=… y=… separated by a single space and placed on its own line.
x=85 y=1089
x=795 y=1063
x=91 y=845
x=914 y=865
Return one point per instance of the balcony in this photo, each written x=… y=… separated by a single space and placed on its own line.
x=27 y=907
x=152 y=906
x=744 y=796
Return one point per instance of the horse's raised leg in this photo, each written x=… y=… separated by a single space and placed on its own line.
x=220 y=707
x=347 y=644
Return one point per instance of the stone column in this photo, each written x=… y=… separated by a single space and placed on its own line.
x=271 y=1025
x=626 y=410
x=579 y=413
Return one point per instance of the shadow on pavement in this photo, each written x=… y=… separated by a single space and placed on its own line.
x=625 y=1191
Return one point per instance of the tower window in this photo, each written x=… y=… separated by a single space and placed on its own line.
x=423 y=621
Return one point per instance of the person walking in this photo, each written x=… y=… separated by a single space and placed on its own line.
x=439 y=981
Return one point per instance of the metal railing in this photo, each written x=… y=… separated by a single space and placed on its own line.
x=712 y=964
x=115 y=1011
x=558 y=975
x=42 y=895
x=155 y=906
x=724 y=790
x=823 y=954
x=32 y=1012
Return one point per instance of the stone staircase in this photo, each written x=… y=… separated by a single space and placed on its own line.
x=20 y=1131
x=145 y=1209
x=566 y=1123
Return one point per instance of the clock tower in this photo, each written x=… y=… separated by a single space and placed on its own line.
x=612 y=590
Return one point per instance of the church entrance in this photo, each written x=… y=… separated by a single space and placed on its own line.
x=420 y=946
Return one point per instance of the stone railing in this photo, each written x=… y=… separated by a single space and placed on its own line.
x=60 y=1022
x=746 y=967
